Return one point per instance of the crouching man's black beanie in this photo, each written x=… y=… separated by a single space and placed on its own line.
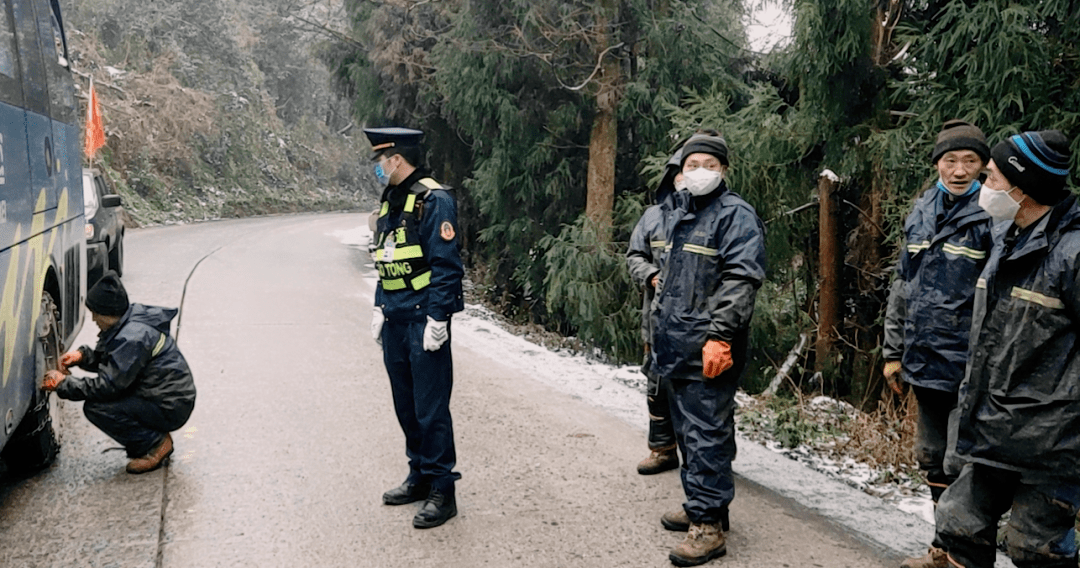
x=108 y=297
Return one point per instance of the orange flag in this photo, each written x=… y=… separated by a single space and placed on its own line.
x=95 y=129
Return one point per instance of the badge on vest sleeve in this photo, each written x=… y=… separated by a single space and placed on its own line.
x=446 y=231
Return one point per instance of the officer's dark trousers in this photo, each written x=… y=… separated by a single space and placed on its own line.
x=704 y=416
x=661 y=430
x=932 y=438
x=421 y=382
x=1040 y=530
x=136 y=423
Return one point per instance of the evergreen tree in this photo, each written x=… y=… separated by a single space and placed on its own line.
x=554 y=104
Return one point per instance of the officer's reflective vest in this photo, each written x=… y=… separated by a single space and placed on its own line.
x=398 y=255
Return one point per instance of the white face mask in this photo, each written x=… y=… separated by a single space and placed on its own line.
x=702 y=181
x=998 y=204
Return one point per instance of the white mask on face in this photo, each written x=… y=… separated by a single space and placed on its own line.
x=998 y=204
x=702 y=181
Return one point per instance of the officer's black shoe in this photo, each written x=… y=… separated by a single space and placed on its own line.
x=438 y=509
x=407 y=493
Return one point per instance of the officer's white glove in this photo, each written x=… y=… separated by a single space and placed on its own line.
x=435 y=334
x=377 y=320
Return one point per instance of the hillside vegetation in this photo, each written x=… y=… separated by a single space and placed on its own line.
x=216 y=109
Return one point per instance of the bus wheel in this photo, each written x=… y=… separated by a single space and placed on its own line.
x=35 y=444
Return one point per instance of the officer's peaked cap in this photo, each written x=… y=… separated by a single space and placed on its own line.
x=383 y=139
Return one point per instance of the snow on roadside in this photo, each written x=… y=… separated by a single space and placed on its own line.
x=620 y=391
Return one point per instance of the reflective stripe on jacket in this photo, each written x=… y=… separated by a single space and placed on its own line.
x=136 y=357
x=714 y=265
x=929 y=312
x=1020 y=399
x=437 y=291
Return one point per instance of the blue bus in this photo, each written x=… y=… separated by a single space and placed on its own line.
x=42 y=240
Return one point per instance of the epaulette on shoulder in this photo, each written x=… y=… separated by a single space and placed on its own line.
x=432 y=184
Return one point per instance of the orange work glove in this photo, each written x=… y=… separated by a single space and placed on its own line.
x=716 y=357
x=892 y=376
x=52 y=380
x=70 y=358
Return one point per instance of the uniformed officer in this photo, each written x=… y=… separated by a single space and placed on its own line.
x=419 y=262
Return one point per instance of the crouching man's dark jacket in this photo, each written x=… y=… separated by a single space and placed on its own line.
x=136 y=357
x=1020 y=400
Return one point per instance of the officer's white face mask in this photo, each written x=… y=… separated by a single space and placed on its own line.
x=998 y=204
x=701 y=181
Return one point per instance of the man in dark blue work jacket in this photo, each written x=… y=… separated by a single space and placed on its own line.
x=704 y=302
x=419 y=262
x=644 y=257
x=947 y=241
x=1018 y=410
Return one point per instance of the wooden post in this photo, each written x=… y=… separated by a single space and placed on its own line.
x=829 y=267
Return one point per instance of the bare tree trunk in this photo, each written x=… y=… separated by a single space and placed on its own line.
x=830 y=254
x=603 y=142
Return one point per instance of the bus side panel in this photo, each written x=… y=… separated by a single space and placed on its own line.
x=18 y=311
x=38 y=125
x=16 y=206
x=70 y=252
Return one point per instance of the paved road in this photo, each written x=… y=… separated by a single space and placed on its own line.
x=293 y=441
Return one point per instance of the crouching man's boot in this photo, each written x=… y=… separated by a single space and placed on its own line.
x=703 y=542
x=439 y=508
x=153 y=459
x=935 y=558
x=659 y=460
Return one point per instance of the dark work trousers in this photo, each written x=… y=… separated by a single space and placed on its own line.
x=421 y=382
x=932 y=438
x=137 y=424
x=704 y=416
x=1040 y=531
x=661 y=430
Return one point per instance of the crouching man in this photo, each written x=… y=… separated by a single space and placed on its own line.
x=143 y=388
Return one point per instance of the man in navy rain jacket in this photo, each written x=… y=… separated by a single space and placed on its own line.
x=143 y=388
x=701 y=320
x=946 y=244
x=1018 y=427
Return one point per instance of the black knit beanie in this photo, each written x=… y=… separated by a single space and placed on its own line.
x=108 y=297
x=1037 y=163
x=705 y=144
x=960 y=135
